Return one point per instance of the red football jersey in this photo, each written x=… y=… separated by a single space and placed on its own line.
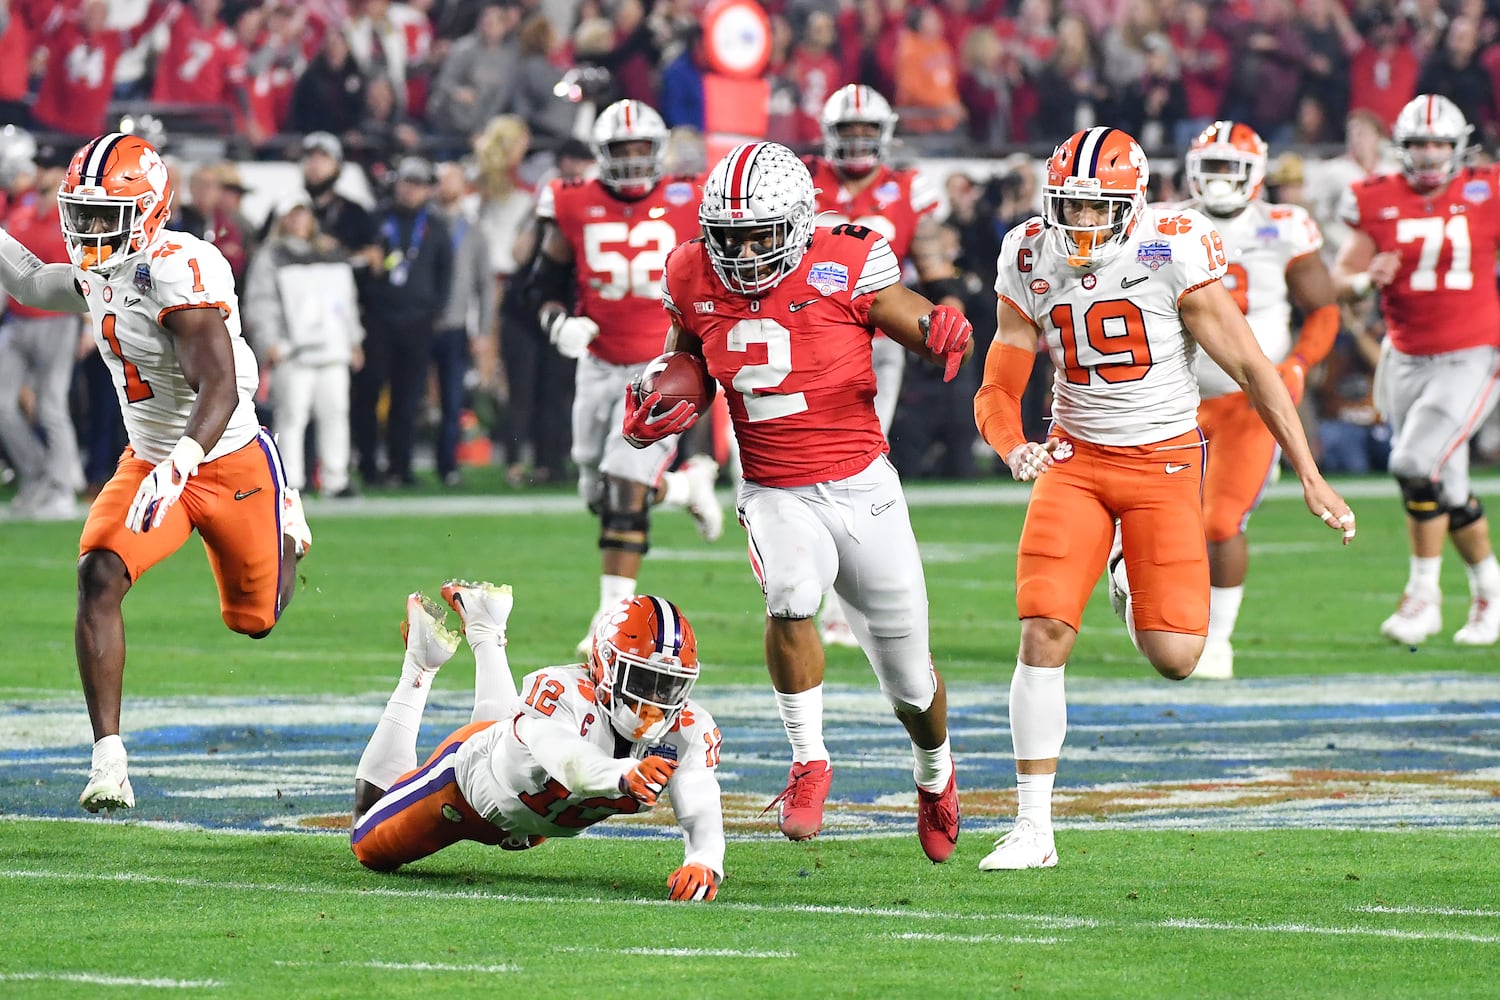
x=890 y=204
x=620 y=250
x=1444 y=297
x=794 y=363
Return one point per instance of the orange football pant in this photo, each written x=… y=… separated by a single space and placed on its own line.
x=1242 y=454
x=1154 y=490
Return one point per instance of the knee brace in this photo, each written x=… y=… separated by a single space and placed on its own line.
x=1462 y=516
x=624 y=522
x=1420 y=498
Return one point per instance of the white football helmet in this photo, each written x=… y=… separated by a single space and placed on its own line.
x=624 y=122
x=757 y=216
x=856 y=104
x=1226 y=167
x=644 y=663
x=1431 y=118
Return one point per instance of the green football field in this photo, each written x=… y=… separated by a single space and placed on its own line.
x=1321 y=826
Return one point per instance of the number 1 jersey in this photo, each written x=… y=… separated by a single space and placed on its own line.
x=1444 y=296
x=619 y=250
x=794 y=363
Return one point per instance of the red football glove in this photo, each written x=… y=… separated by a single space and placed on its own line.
x=645 y=781
x=693 y=883
x=948 y=333
x=1294 y=375
x=641 y=428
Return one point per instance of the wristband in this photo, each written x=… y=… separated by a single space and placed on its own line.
x=186 y=455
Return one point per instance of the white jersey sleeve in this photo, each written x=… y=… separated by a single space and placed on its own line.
x=923 y=194
x=695 y=788
x=1347 y=209
x=546 y=201
x=129 y=312
x=881 y=270
x=1016 y=268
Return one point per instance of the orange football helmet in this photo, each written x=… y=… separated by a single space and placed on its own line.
x=644 y=663
x=1095 y=194
x=1226 y=167
x=115 y=199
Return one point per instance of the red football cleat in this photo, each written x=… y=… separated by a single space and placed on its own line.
x=937 y=820
x=802 y=799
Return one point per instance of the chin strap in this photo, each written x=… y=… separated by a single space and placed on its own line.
x=53 y=287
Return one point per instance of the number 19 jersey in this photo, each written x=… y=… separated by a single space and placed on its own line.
x=1444 y=296
x=619 y=250
x=1123 y=359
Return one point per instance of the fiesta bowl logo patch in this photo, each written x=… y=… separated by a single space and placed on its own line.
x=887 y=193
x=1039 y=286
x=1063 y=450
x=1477 y=191
x=143 y=277
x=678 y=193
x=666 y=750
x=1154 y=254
x=828 y=277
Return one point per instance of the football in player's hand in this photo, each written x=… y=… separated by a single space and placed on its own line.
x=678 y=376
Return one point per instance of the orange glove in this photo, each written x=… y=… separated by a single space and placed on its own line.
x=1293 y=374
x=645 y=781
x=692 y=883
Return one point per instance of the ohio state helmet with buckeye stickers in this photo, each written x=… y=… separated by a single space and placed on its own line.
x=1226 y=167
x=757 y=216
x=856 y=104
x=629 y=122
x=115 y=199
x=1430 y=118
x=1097 y=167
x=643 y=664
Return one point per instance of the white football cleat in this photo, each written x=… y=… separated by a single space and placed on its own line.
x=1023 y=847
x=1119 y=581
x=1483 y=626
x=482 y=607
x=701 y=472
x=1418 y=618
x=1217 y=661
x=430 y=643
x=294 y=521
x=108 y=788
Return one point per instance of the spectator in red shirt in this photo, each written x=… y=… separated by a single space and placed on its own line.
x=815 y=74
x=274 y=68
x=1204 y=59
x=18 y=23
x=1383 y=72
x=82 y=53
x=204 y=63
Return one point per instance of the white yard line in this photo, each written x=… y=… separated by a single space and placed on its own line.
x=100 y=979
x=1429 y=911
x=403 y=966
x=1382 y=932
x=976 y=938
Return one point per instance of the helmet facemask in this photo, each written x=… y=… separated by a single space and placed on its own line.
x=644 y=695
x=751 y=257
x=856 y=147
x=1087 y=225
x=1429 y=162
x=1223 y=181
x=103 y=231
x=631 y=166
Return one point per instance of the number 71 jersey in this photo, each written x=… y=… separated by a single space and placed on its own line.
x=1123 y=359
x=1444 y=296
x=620 y=251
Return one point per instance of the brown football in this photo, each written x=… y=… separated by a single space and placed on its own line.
x=678 y=376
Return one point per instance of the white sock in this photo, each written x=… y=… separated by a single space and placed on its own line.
x=1424 y=576
x=1038 y=711
x=833 y=610
x=392 y=750
x=932 y=768
x=1484 y=577
x=1223 y=611
x=107 y=749
x=675 y=490
x=802 y=715
x=495 y=694
x=614 y=589
x=1034 y=792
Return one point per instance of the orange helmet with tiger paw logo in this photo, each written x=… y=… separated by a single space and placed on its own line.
x=1095 y=194
x=115 y=199
x=1226 y=167
x=644 y=663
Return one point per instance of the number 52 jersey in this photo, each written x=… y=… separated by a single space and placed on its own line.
x=1123 y=359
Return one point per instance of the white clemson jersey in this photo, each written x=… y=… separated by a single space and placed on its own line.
x=552 y=770
x=1123 y=359
x=1261 y=243
x=178 y=271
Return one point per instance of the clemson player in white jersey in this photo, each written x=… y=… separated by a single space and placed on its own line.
x=1273 y=263
x=166 y=321
x=1124 y=295
x=586 y=742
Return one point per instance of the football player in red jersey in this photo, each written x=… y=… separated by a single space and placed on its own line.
x=1427 y=239
x=783 y=314
x=855 y=184
x=605 y=246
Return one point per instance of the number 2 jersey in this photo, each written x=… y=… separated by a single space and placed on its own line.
x=1444 y=296
x=177 y=271
x=795 y=363
x=619 y=250
x=1260 y=244
x=551 y=770
x=1124 y=361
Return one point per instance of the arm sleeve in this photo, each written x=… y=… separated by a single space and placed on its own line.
x=53 y=287
x=997 y=404
x=582 y=768
x=695 y=799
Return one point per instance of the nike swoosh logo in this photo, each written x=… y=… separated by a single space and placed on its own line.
x=131 y=302
x=1045 y=858
x=1132 y=282
x=1177 y=468
x=880 y=508
x=246 y=494
x=800 y=305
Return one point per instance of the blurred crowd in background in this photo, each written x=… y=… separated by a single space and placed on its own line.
x=392 y=360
